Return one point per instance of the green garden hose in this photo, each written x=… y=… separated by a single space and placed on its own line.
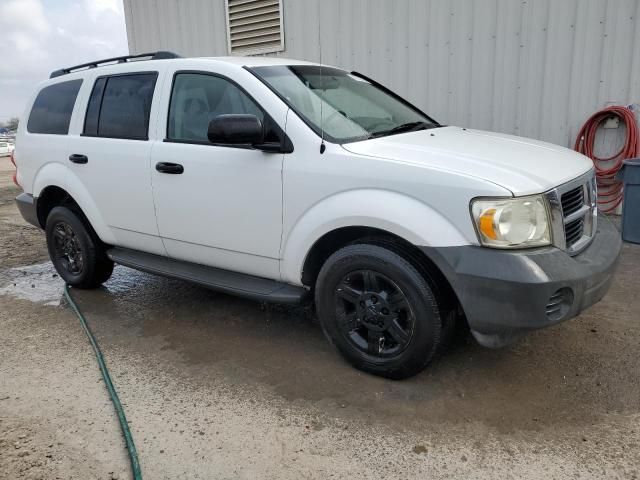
x=131 y=447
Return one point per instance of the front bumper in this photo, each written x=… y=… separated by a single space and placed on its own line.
x=28 y=206
x=505 y=294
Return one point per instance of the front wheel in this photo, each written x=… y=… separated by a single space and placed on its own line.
x=377 y=309
x=75 y=250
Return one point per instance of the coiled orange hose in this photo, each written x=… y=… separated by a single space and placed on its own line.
x=609 y=189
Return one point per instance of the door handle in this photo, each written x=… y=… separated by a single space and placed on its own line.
x=168 y=167
x=78 y=158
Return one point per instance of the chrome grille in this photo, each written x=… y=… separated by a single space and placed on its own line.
x=574 y=213
x=573 y=231
x=572 y=200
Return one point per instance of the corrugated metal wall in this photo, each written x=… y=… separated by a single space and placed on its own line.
x=536 y=68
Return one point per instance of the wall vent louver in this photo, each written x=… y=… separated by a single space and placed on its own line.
x=254 y=26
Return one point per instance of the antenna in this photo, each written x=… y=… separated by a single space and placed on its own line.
x=323 y=147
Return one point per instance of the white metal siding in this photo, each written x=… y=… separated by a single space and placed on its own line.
x=254 y=26
x=536 y=68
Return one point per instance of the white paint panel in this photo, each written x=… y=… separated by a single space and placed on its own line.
x=535 y=68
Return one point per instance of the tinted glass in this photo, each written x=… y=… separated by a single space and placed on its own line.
x=126 y=104
x=345 y=106
x=197 y=99
x=93 y=108
x=51 y=112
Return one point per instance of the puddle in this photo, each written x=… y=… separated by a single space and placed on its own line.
x=37 y=283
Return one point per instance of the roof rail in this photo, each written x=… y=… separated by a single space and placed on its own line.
x=160 y=55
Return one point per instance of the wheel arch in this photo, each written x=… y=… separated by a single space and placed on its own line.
x=343 y=217
x=50 y=197
x=55 y=182
x=339 y=238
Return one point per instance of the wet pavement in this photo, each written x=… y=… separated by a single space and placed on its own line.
x=527 y=386
x=221 y=387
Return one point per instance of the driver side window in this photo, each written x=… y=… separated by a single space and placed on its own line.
x=198 y=98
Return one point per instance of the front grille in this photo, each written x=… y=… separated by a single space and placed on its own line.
x=574 y=213
x=572 y=200
x=573 y=231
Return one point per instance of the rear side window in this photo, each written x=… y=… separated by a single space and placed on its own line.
x=51 y=111
x=119 y=106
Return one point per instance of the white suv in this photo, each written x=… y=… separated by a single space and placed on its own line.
x=273 y=178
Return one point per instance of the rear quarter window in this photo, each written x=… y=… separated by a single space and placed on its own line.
x=51 y=111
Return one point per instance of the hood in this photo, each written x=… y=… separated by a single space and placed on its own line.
x=522 y=165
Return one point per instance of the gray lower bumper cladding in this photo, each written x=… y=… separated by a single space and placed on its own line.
x=28 y=206
x=505 y=294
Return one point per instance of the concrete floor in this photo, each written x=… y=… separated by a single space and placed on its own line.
x=219 y=387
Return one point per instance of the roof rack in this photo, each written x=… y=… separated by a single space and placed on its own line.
x=160 y=55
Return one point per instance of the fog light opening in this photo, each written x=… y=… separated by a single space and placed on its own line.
x=559 y=304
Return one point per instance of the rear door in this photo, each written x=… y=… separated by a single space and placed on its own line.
x=111 y=156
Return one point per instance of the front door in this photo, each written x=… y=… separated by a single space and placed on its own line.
x=220 y=206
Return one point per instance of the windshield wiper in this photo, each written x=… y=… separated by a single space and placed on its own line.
x=405 y=127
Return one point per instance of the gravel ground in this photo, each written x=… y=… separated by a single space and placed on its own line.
x=220 y=387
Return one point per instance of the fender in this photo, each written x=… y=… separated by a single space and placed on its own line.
x=56 y=174
x=395 y=213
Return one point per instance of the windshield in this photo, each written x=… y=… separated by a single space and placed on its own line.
x=347 y=107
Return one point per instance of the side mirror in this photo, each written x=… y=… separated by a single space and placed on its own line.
x=236 y=129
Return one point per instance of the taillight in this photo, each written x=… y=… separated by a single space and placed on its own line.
x=15 y=174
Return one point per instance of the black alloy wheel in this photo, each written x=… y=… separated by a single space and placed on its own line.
x=378 y=310
x=373 y=313
x=67 y=248
x=75 y=250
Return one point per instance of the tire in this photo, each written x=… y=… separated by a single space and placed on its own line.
x=451 y=329
x=378 y=311
x=75 y=250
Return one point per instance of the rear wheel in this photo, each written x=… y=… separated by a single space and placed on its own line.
x=378 y=310
x=75 y=250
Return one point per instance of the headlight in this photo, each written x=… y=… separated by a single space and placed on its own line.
x=512 y=222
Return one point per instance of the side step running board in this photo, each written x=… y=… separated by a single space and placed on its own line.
x=239 y=284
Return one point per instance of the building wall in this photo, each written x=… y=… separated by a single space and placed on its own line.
x=536 y=68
